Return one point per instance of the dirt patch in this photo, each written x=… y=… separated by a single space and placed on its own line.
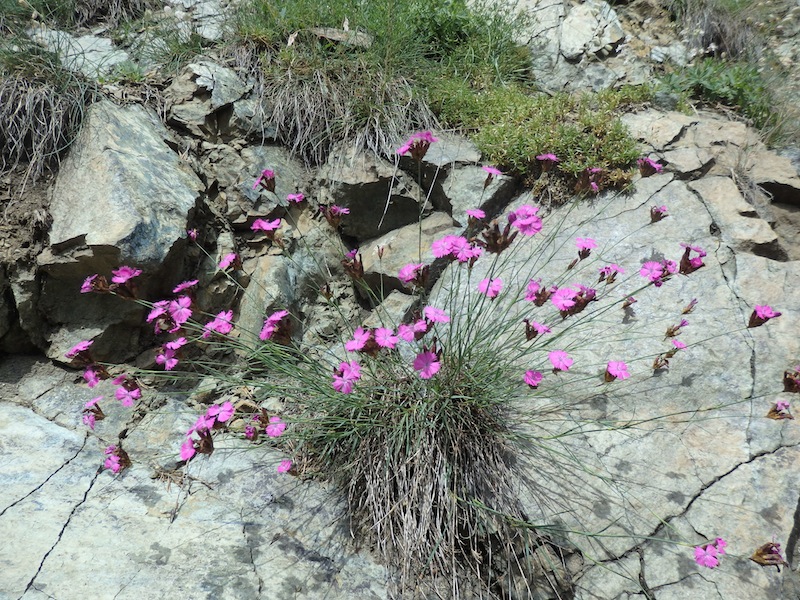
x=25 y=219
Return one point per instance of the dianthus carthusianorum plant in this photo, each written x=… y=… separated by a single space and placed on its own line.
x=455 y=429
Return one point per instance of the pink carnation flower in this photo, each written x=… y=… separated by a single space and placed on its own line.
x=86 y=286
x=227 y=260
x=617 y=370
x=564 y=298
x=490 y=287
x=409 y=273
x=360 y=338
x=492 y=171
x=435 y=315
x=533 y=378
x=385 y=338
x=477 y=213
x=285 y=466
x=427 y=363
x=185 y=286
x=276 y=427
x=560 y=360
x=123 y=274
x=78 y=348
x=262 y=225
x=271 y=324
x=221 y=324
x=297 y=198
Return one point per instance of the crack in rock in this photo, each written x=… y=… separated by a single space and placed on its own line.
x=30 y=585
x=249 y=542
x=49 y=477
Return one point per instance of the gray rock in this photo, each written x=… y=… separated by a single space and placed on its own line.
x=654 y=477
x=291 y=176
x=411 y=243
x=777 y=175
x=676 y=53
x=92 y=56
x=737 y=220
x=380 y=196
x=6 y=305
x=463 y=189
x=688 y=162
x=590 y=27
x=659 y=130
x=121 y=189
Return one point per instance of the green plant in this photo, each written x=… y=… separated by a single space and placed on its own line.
x=737 y=85
x=377 y=70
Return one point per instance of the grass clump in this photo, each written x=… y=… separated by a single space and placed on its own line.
x=739 y=85
x=357 y=71
x=70 y=14
x=41 y=107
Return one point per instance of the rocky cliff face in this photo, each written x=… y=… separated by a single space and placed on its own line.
x=134 y=185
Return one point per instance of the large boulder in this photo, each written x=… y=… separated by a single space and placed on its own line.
x=122 y=197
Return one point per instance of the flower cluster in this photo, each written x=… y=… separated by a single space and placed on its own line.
x=417 y=145
x=215 y=417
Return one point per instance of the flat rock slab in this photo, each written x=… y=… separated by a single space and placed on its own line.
x=230 y=528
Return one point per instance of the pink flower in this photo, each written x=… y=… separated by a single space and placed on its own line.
x=339 y=210
x=706 y=556
x=179 y=310
x=533 y=378
x=781 y=405
x=271 y=324
x=221 y=324
x=266 y=176
x=594 y=186
x=91 y=376
x=678 y=344
x=351 y=370
x=648 y=165
x=93 y=402
x=192 y=233
x=112 y=463
x=560 y=360
x=444 y=246
x=476 y=213
x=658 y=213
x=532 y=289
x=340 y=384
x=297 y=198
x=525 y=220
x=761 y=314
x=167 y=359
x=159 y=308
x=427 y=363
x=609 y=271
x=127 y=397
x=435 y=315
x=261 y=225
x=123 y=274
x=490 y=287
x=721 y=545
x=78 y=348
x=89 y=419
x=492 y=171
x=405 y=332
x=185 y=286
x=548 y=157
x=86 y=286
x=187 y=449
x=409 y=273
x=539 y=328
x=585 y=243
x=652 y=271
x=276 y=427
x=227 y=260
x=285 y=466
x=617 y=370
x=175 y=344
x=360 y=338
x=221 y=412
x=564 y=298
x=385 y=338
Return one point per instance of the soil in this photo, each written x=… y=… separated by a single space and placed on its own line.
x=25 y=219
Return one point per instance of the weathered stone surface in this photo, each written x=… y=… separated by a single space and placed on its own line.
x=653 y=477
x=379 y=195
x=231 y=527
x=777 y=175
x=121 y=188
x=411 y=243
x=89 y=55
x=202 y=97
x=688 y=162
x=740 y=225
x=449 y=151
x=656 y=128
x=464 y=189
x=290 y=177
x=589 y=27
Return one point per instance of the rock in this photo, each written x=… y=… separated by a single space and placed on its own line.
x=121 y=189
x=394 y=309
x=676 y=53
x=688 y=162
x=6 y=304
x=380 y=197
x=656 y=128
x=147 y=529
x=737 y=220
x=291 y=176
x=777 y=175
x=92 y=56
x=450 y=150
x=649 y=485
x=202 y=97
x=589 y=27
x=411 y=243
x=463 y=189
x=787 y=226
x=271 y=288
